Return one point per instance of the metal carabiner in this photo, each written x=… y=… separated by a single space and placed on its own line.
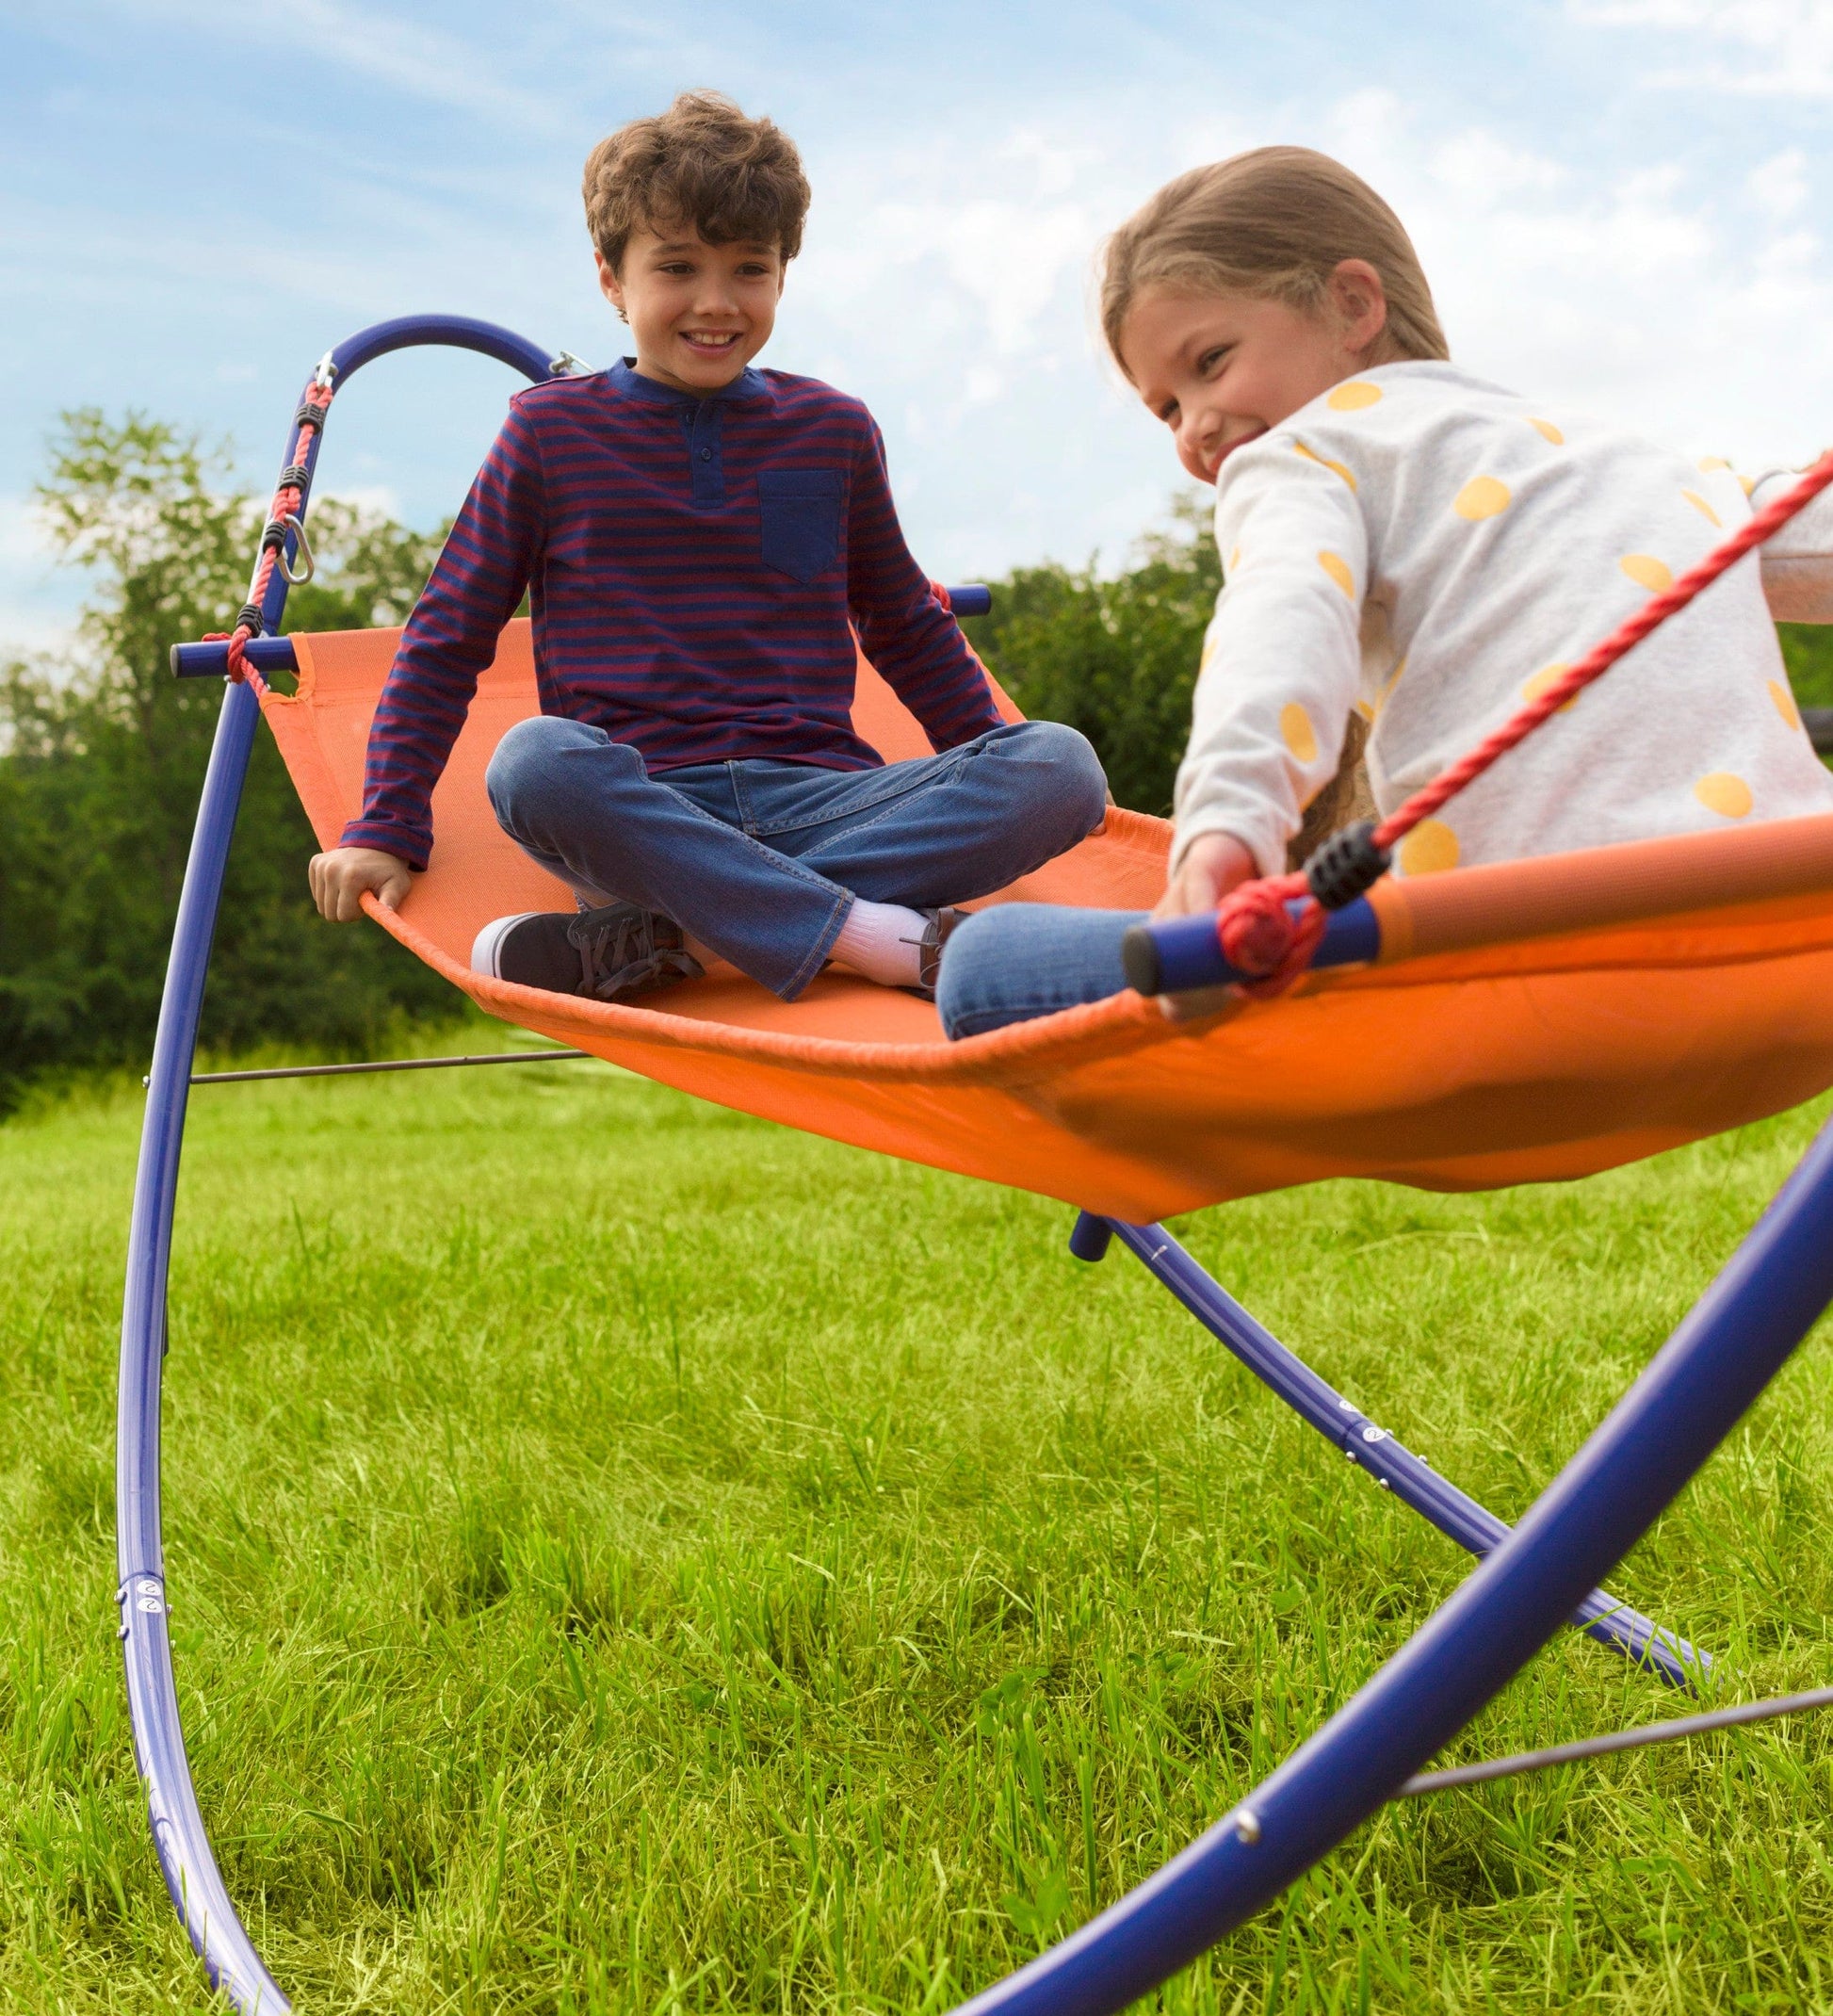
x=297 y=526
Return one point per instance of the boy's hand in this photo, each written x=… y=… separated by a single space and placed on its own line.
x=341 y=878
x=1216 y=863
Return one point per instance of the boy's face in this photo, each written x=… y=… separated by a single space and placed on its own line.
x=1220 y=369
x=699 y=313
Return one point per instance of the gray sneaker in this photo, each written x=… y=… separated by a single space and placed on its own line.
x=609 y=955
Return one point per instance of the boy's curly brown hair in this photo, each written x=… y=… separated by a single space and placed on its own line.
x=701 y=163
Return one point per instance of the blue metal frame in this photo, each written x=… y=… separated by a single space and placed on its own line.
x=1532 y=1581
x=178 y=1831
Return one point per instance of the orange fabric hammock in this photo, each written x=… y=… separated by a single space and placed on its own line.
x=1537 y=1019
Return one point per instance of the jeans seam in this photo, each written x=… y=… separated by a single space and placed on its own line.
x=886 y=810
x=806 y=972
x=770 y=853
x=885 y=800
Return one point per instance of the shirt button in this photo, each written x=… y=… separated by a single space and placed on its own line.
x=705 y=454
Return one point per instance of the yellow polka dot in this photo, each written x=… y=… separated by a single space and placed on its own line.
x=1548 y=432
x=1544 y=677
x=1723 y=793
x=1700 y=505
x=1296 y=732
x=1482 y=496
x=1337 y=567
x=1783 y=702
x=1747 y=483
x=1430 y=849
x=1323 y=462
x=1367 y=712
x=1709 y=462
x=1352 y=396
x=1647 y=572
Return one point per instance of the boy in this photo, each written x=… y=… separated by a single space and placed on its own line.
x=699 y=540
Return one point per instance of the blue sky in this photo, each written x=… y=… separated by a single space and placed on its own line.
x=1617 y=203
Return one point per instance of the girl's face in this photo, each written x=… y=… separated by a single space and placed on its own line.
x=1220 y=369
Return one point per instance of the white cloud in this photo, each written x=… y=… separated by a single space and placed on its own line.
x=1779 y=185
x=382 y=498
x=37 y=605
x=1786 y=45
x=417 y=61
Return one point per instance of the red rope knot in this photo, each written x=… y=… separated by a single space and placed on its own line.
x=1261 y=936
x=239 y=668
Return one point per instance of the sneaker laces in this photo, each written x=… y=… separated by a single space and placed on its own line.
x=619 y=952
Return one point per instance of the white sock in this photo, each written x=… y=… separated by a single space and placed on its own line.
x=880 y=942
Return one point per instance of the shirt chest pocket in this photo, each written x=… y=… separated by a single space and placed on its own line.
x=800 y=513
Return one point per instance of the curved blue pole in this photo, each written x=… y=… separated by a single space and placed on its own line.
x=1387 y=1460
x=178 y=1834
x=179 y=1837
x=1721 y=1358
x=450 y=332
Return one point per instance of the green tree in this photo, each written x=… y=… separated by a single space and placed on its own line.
x=1115 y=658
x=102 y=757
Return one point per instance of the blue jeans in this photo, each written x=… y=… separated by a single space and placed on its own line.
x=1019 y=960
x=761 y=860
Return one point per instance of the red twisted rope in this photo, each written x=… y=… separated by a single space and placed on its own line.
x=286 y=504
x=1261 y=935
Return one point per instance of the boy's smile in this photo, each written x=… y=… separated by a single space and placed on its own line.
x=1220 y=369
x=699 y=313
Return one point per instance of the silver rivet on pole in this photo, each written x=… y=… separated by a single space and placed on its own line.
x=1247 y=1826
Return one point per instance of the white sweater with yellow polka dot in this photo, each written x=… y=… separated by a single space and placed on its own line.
x=1430 y=550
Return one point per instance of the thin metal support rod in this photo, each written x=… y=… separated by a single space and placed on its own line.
x=1388 y=1461
x=392 y=1064
x=1692 y=1393
x=1618 y=1739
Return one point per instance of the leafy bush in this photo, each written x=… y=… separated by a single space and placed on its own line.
x=1115 y=658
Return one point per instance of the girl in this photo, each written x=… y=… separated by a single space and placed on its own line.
x=1407 y=544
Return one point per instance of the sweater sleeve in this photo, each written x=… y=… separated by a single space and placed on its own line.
x=488 y=562
x=912 y=640
x=1282 y=657
x=1798 y=560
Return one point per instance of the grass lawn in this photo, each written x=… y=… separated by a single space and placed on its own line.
x=625 y=1556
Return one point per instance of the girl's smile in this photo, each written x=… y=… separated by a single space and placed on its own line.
x=1220 y=369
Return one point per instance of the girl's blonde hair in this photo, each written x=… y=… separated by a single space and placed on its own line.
x=1275 y=223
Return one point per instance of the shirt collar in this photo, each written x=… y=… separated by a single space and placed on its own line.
x=624 y=378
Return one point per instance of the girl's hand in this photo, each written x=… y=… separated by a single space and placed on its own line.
x=1216 y=863
x=341 y=878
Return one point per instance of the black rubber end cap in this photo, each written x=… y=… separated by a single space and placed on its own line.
x=1139 y=961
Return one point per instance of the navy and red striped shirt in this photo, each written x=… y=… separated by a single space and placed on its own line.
x=691 y=566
